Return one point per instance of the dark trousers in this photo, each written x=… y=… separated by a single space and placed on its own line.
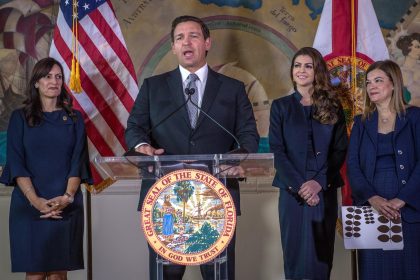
x=176 y=272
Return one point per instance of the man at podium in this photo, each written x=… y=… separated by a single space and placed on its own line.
x=169 y=117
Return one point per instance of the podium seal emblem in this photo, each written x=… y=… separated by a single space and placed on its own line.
x=188 y=217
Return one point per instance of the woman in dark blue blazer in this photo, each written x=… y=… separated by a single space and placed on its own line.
x=384 y=169
x=309 y=140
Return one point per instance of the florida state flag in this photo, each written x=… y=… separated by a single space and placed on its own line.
x=350 y=39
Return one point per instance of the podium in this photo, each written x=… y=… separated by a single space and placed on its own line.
x=218 y=165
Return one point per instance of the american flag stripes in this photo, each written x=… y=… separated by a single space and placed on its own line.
x=107 y=73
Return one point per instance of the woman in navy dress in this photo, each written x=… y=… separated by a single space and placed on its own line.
x=47 y=161
x=309 y=140
x=384 y=170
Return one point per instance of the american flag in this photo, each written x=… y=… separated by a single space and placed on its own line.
x=107 y=73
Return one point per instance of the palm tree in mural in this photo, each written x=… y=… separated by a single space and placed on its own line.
x=183 y=191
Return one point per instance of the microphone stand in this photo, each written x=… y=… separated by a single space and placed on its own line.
x=239 y=149
x=133 y=152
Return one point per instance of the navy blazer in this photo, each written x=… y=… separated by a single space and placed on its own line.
x=361 y=160
x=224 y=99
x=288 y=137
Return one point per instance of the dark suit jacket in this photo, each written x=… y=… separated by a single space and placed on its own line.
x=288 y=138
x=361 y=160
x=224 y=99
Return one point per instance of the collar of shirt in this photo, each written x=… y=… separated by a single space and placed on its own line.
x=202 y=74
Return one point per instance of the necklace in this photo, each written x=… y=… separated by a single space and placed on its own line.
x=387 y=118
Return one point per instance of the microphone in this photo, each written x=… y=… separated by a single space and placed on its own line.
x=189 y=92
x=239 y=150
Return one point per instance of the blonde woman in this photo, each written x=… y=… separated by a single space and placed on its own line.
x=384 y=169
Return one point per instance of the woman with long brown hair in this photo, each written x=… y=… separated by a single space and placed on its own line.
x=309 y=141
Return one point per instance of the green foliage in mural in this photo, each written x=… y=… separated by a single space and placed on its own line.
x=202 y=239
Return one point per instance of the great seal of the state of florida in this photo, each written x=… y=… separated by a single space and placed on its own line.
x=188 y=217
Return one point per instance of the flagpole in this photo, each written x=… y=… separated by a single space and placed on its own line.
x=89 y=247
x=353 y=91
x=353 y=54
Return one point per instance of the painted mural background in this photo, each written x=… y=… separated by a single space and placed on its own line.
x=253 y=41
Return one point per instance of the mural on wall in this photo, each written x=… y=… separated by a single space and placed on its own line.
x=253 y=41
x=25 y=37
x=404 y=48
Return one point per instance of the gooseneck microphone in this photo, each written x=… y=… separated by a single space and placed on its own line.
x=239 y=150
x=189 y=92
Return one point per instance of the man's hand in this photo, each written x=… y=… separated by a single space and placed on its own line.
x=149 y=150
x=232 y=170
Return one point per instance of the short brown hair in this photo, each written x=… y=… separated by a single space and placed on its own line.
x=181 y=19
